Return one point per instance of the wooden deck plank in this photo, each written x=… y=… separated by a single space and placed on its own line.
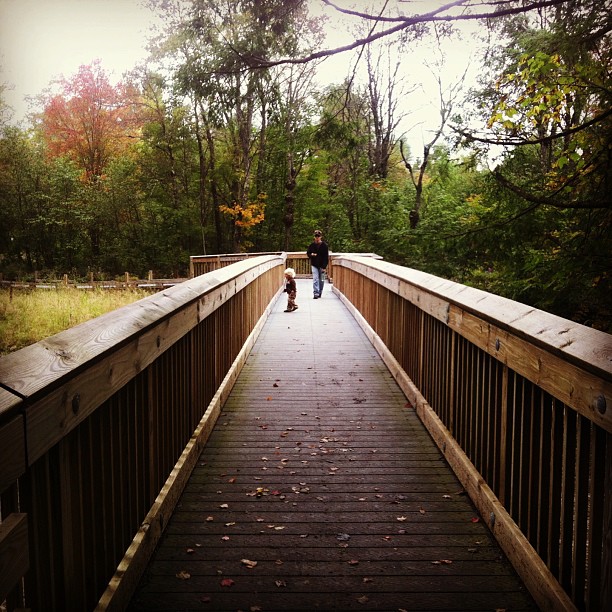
x=320 y=472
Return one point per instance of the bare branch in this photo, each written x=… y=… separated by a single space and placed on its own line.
x=514 y=142
x=406 y=22
x=391 y=19
x=548 y=201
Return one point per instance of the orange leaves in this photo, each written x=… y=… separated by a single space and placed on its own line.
x=246 y=216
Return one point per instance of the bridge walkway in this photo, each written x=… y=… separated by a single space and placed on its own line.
x=320 y=489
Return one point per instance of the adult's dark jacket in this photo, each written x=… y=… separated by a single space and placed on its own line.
x=321 y=257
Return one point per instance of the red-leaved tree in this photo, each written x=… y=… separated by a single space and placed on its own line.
x=90 y=120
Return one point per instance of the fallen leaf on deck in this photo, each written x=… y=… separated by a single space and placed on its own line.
x=367 y=580
x=280 y=583
x=353 y=562
x=209 y=519
x=190 y=550
x=447 y=497
x=248 y=563
x=224 y=506
x=475 y=519
x=363 y=599
x=402 y=518
x=183 y=575
x=225 y=538
x=227 y=582
x=422 y=511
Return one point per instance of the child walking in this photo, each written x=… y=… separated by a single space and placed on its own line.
x=290 y=289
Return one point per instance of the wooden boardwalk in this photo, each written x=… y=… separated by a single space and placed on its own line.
x=319 y=489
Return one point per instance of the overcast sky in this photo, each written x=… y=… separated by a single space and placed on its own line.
x=43 y=39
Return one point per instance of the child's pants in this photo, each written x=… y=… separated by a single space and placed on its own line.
x=291 y=300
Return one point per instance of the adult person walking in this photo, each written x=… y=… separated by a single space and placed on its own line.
x=318 y=253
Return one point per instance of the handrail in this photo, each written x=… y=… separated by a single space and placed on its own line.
x=520 y=403
x=200 y=264
x=94 y=420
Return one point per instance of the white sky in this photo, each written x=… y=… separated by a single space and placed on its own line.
x=41 y=40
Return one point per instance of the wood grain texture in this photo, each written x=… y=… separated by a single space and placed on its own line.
x=319 y=471
x=12 y=451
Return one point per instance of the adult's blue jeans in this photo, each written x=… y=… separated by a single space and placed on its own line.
x=318 y=279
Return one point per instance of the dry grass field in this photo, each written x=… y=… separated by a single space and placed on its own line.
x=27 y=316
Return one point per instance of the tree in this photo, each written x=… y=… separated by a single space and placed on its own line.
x=89 y=121
x=552 y=93
x=447 y=100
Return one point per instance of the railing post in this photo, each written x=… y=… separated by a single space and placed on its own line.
x=503 y=435
x=606 y=573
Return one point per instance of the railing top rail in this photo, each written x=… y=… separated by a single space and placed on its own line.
x=240 y=256
x=570 y=361
x=590 y=347
x=43 y=365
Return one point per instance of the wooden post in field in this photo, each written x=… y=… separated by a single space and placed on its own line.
x=65 y=280
x=150 y=275
x=91 y=278
x=127 y=279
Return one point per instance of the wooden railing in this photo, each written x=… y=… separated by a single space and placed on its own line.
x=99 y=426
x=201 y=264
x=520 y=403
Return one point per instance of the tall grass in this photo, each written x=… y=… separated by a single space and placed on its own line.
x=29 y=316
